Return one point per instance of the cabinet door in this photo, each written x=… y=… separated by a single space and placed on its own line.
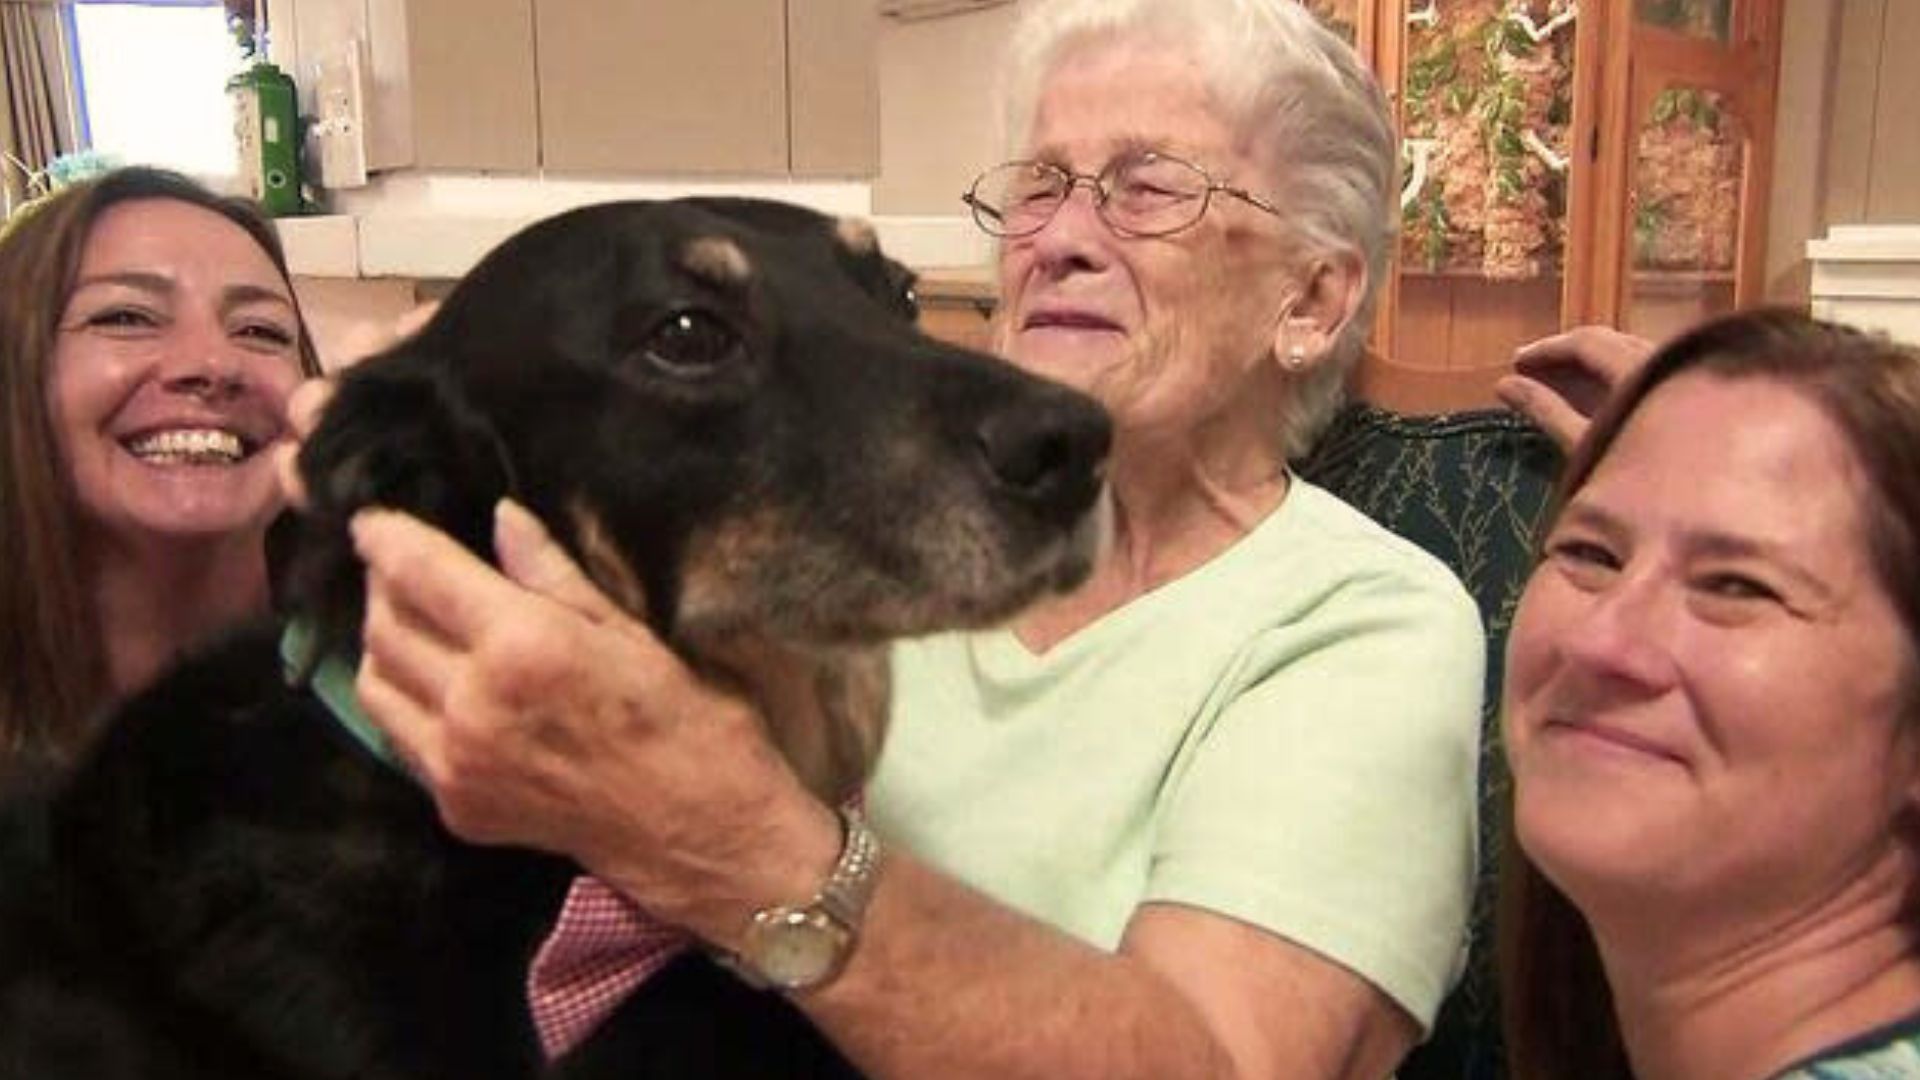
x=1492 y=96
x=1600 y=161
x=1688 y=162
x=834 y=85
x=470 y=63
x=663 y=86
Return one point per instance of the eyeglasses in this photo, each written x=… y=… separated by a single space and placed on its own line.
x=1139 y=195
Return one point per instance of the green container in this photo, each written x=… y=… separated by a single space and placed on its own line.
x=266 y=128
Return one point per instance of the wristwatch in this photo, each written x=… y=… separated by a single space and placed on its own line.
x=804 y=946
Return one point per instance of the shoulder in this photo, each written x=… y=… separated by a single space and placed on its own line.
x=1334 y=558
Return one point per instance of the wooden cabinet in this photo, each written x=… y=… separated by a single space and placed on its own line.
x=1569 y=161
x=663 y=86
x=742 y=88
x=453 y=84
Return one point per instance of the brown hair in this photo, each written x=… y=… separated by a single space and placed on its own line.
x=1556 y=1006
x=52 y=662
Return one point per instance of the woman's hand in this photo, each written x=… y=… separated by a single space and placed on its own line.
x=540 y=714
x=1561 y=381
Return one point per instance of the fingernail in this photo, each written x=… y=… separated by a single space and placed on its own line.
x=364 y=525
x=510 y=516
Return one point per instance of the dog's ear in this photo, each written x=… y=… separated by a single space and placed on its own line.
x=398 y=433
x=857 y=247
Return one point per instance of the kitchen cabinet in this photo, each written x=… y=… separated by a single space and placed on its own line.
x=754 y=88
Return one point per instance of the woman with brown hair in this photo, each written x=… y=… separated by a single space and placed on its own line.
x=149 y=335
x=1711 y=700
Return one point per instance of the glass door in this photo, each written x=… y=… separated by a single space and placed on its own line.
x=1701 y=97
x=1487 y=107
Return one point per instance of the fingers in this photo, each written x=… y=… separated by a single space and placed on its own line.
x=530 y=556
x=304 y=406
x=1608 y=354
x=419 y=569
x=402 y=649
x=1561 y=381
x=1549 y=411
x=414 y=732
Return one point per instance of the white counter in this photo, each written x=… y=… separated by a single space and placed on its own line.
x=1869 y=275
x=416 y=226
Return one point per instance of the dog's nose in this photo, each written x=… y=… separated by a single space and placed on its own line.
x=1047 y=453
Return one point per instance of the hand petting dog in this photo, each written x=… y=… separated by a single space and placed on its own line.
x=488 y=684
x=540 y=714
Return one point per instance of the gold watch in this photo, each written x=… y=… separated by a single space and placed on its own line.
x=800 y=947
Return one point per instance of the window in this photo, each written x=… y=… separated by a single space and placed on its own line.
x=152 y=77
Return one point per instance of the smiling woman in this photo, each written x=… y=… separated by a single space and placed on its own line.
x=1711 y=699
x=149 y=336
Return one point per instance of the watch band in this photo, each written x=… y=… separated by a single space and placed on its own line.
x=849 y=888
x=822 y=932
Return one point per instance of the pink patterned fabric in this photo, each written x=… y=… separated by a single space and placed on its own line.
x=601 y=948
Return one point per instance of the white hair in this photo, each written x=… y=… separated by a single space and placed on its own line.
x=1298 y=96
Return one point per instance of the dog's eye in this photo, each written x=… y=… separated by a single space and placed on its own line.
x=690 y=342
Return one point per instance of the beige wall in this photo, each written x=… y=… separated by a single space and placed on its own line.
x=1873 y=148
x=1848 y=133
x=939 y=110
x=350 y=317
x=1797 y=211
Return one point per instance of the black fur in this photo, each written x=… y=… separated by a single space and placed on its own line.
x=230 y=886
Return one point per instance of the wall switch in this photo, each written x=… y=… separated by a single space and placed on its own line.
x=338 y=136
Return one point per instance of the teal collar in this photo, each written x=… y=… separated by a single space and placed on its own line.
x=332 y=682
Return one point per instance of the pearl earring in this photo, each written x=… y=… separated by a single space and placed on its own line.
x=1296 y=356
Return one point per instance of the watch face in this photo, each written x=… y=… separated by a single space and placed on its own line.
x=794 y=948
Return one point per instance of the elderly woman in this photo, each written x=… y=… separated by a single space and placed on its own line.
x=1210 y=815
x=149 y=336
x=1711 y=708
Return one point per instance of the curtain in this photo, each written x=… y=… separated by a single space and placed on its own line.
x=37 y=107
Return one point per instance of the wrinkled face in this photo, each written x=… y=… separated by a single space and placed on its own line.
x=176 y=352
x=1163 y=331
x=1706 y=676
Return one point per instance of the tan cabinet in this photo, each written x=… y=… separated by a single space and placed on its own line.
x=661 y=87
x=453 y=84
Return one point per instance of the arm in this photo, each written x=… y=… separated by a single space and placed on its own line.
x=552 y=720
x=1560 y=381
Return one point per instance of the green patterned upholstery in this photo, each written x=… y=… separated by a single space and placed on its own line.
x=1471 y=488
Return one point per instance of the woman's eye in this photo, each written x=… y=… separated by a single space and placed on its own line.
x=1733 y=586
x=123 y=319
x=1139 y=190
x=690 y=343
x=1582 y=562
x=271 y=333
x=1582 y=552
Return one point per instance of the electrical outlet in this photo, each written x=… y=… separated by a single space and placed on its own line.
x=339 y=132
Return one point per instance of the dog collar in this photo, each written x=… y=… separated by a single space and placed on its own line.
x=331 y=679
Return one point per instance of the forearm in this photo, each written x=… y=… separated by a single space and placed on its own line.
x=947 y=982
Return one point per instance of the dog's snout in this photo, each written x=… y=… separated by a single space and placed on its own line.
x=1048 y=454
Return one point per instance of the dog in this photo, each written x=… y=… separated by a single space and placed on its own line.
x=722 y=410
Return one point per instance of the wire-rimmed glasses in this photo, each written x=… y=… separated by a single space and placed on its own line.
x=1145 y=194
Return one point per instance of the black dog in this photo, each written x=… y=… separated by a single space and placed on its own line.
x=721 y=408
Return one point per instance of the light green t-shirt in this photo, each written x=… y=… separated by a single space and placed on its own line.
x=1287 y=736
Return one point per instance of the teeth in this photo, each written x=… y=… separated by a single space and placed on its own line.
x=200 y=446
